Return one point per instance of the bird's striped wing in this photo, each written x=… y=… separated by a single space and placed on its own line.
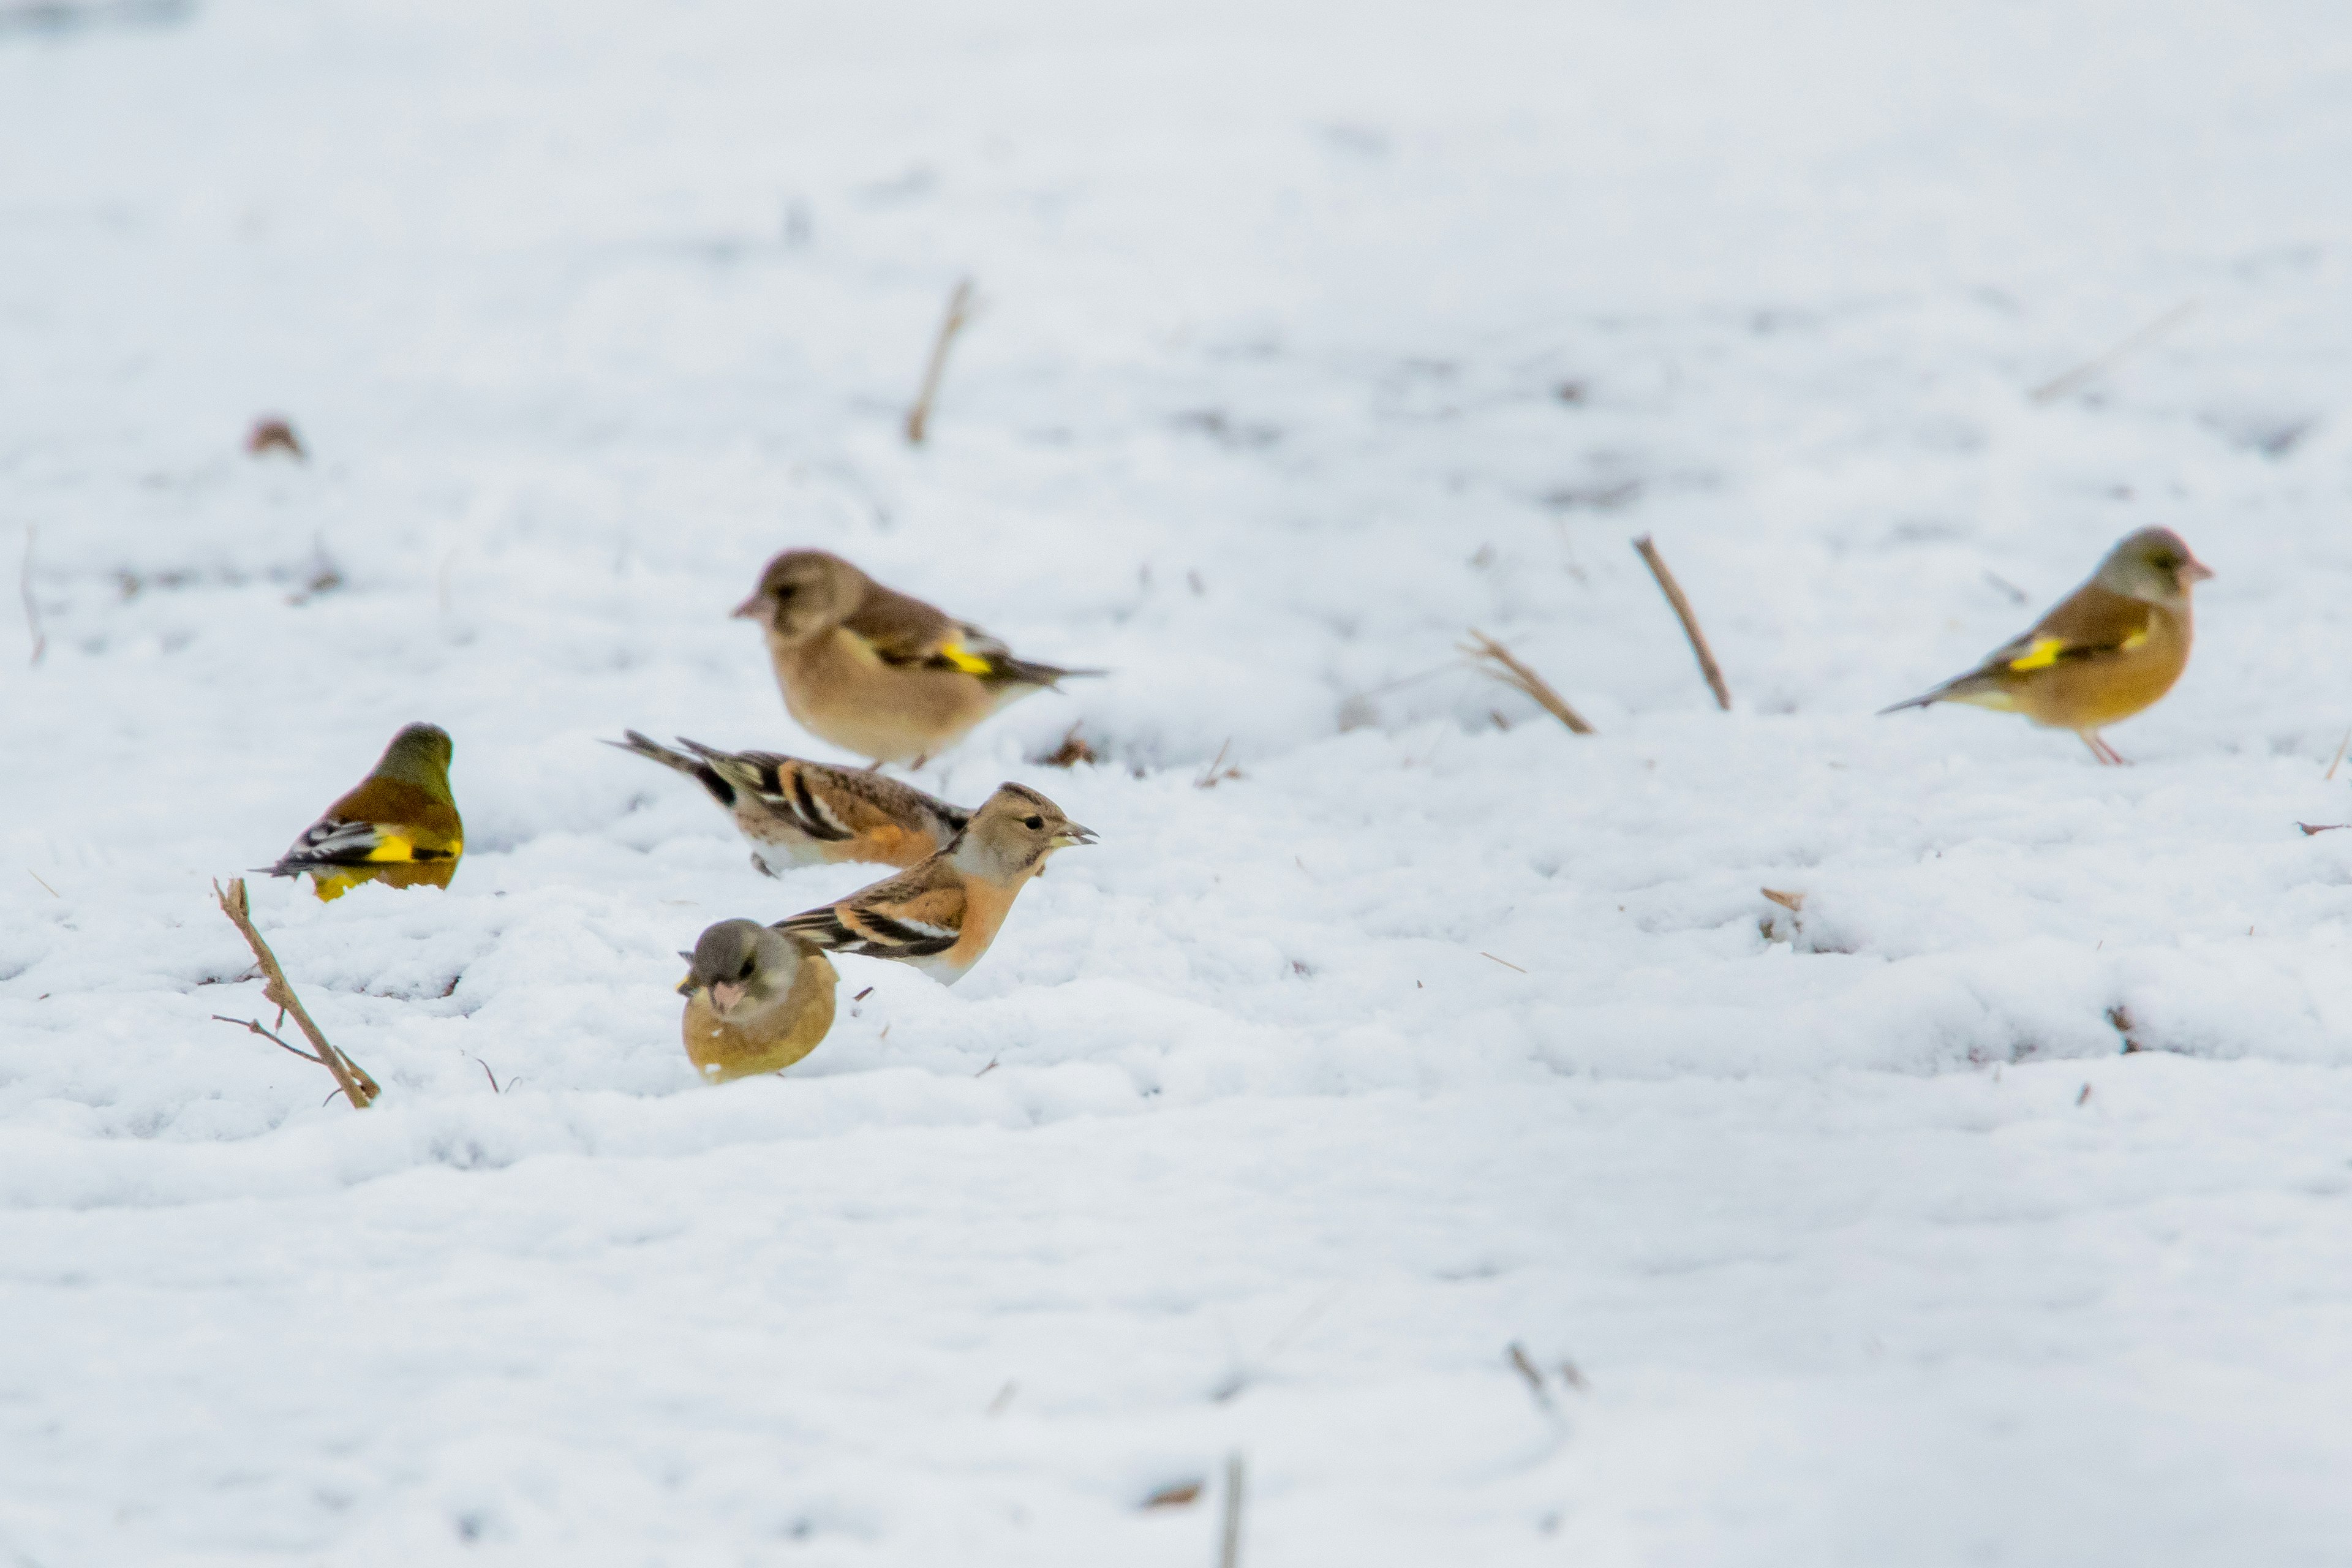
x=334 y=841
x=782 y=786
x=885 y=921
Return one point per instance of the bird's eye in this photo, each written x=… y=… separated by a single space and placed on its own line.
x=1032 y=822
x=783 y=591
x=746 y=973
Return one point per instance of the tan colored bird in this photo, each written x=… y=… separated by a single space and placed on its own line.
x=797 y=813
x=941 y=915
x=399 y=826
x=757 y=1000
x=2111 y=647
x=875 y=672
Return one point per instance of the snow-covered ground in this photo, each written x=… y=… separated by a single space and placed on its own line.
x=1312 y=335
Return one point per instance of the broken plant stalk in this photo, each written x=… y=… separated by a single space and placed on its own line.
x=1673 y=592
x=1498 y=663
x=919 y=418
x=350 y=1077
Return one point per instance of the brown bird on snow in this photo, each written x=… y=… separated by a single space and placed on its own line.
x=757 y=1000
x=2110 y=648
x=875 y=672
x=798 y=813
x=941 y=915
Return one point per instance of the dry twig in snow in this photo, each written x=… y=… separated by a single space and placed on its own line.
x=1229 y=1554
x=919 y=418
x=32 y=610
x=2091 y=369
x=1673 y=592
x=350 y=1077
x=1498 y=663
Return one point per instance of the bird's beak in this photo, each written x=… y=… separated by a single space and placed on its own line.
x=1073 y=834
x=748 y=610
x=723 y=996
x=685 y=987
x=2195 y=571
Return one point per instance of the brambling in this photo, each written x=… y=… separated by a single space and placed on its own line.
x=875 y=672
x=800 y=813
x=399 y=826
x=757 y=1000
x=2110 y=648
x=941 y=915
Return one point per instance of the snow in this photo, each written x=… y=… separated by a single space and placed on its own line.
x=1310 y=336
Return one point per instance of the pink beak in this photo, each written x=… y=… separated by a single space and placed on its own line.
x=748 y=610
x=2195 y=571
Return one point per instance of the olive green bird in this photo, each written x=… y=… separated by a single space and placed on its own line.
x=2109 y=649
x=399 y=826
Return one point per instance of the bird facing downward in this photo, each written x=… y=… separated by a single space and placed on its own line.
x=941 y=915
x=875 y=672
x=757 y=1000
x=399 y=826
x=2110 y=648
x=797 y=813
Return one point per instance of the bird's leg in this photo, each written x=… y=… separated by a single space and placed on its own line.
x=2107 y=756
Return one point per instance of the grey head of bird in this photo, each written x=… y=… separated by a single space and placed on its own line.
x=1014 y=829
x=2155 y=564
x=420 y=755
x=745 y=967
x=804 y=592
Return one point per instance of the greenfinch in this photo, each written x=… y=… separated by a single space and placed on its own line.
x=941 y=916
x=757 y=1000
x=798 y=813
x=878 y=673
x=398 y=825
x=2110 y=648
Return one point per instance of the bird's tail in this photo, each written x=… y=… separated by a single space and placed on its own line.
x=695 y=768
x=1977 y=686
x=1922 y=700
x=1023 y=672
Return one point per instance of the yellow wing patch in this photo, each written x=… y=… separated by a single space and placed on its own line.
x=392 y=846
x=970 y=663
x=2047 y=651
x=2041 y=655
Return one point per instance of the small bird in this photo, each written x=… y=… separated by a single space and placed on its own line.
x=2110 y=648
x=878 y=673
x=941 y=915
x=799 y=812
x=399 y=826
x=757 y=1000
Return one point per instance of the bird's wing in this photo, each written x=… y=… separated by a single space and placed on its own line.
x=382 y=822
x=905 y=631
x=2092 y=623
x=900 y=628
x=901 y=916
x=789 y=788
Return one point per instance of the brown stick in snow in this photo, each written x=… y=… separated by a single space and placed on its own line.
x=350 y=1077
x=919 y=418
x=1673 y=592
